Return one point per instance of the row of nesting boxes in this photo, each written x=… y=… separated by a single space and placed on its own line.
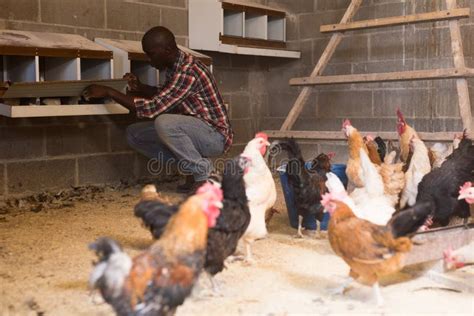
x=52 y=65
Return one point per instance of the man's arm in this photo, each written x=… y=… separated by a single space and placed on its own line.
x=99 y=91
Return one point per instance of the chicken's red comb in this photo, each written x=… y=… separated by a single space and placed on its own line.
x=210 y=188
x=400 y=115
x=370 y=138
x=448 y=253
x=261 y=135
x=331 y=155
x=346 y=123
x=465 y=186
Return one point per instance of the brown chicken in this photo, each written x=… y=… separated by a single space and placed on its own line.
x=391 y=172
x=355 y=143
x=405 y=134
x=372 y=148
x=158 y=280
x=370 y=250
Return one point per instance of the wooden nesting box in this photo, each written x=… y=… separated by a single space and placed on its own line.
x=51 y=65
x=128 y=56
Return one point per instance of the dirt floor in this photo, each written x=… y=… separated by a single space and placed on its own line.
x=45 y=264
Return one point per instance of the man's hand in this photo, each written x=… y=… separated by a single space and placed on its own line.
x=134 y=84
x=95 y=91
x=136 y=88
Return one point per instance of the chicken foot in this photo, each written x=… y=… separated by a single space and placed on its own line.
x=342 y=288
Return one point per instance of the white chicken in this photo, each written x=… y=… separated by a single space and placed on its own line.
x=367 y=199
x=440 y=151
x=419 y=166
x=260 y=189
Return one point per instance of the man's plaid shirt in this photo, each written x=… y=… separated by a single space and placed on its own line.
x=190 y=89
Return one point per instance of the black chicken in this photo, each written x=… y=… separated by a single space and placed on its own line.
x=307 y=185
x=440 y=187
x=231 y=224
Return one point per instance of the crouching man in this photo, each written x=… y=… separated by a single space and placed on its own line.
x=191 y=122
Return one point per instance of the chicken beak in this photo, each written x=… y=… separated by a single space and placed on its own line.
x=218 y=204
x=267 y=143
x=462 y=196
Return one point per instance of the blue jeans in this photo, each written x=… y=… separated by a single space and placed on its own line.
x=183 y=139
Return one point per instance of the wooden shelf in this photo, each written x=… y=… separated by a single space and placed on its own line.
x=53 y=89
x=430 y=74
x=238 y=28
x=338 y=135
x=18 y=111
x=397 y=20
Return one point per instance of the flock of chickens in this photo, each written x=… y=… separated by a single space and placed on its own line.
x=391 y=195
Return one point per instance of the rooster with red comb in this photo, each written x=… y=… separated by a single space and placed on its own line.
x=405 y=134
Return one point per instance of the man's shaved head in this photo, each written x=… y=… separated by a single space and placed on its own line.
x=159 y=36
x=159 y=45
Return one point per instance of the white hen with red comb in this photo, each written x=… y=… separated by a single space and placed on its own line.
x=260 y=189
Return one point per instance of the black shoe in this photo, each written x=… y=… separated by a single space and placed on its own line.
x=187 y=185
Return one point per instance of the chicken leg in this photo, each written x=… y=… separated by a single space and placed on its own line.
x=299 y=234
x=377 y=294
x=248 y=253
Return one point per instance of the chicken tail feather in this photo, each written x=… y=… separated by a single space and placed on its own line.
x=407 y=222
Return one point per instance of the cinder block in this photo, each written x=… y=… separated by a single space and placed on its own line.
x=386 y=46
x=19 y=10
x=353 y=48
x=309 y=24
x=292 y=6
x=240 y=106
x=291 y=27
x=432 y=43
x=447 y=125
x=325 y=5
x=176 y=20
x=131 y=16
x=345 y=104
x=66 y=140
x=232 y=80
x=118 y=140
x=38 y=27
x=219 y=60
x=88 y=13
x=277 y=79
x=171 y=3
x=412 y=102
x=306 y=48
x=279 y=104
x=243 y=61
x=445 y=102
x=270 y=123
x=107 y=168
x=338 y=69
x=388 y=8
x=21 y=142
x=35 y=176
x=92 y=33
x=243 y=130
x=153 y=169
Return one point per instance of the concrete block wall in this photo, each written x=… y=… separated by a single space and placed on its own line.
x=430 y=106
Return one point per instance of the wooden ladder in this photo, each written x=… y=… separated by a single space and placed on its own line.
x=460 y=72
